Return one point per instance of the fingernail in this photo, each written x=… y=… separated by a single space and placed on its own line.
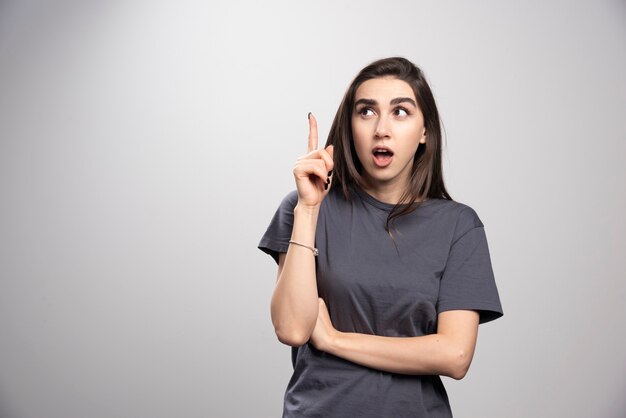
x=330 y=173
x=308 y=116
x=326 y=186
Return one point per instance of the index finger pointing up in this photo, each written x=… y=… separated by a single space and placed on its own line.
x=312 y=133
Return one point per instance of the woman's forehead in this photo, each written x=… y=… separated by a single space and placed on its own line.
x=384 y=89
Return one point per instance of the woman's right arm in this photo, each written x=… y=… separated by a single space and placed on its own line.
x=294 y=306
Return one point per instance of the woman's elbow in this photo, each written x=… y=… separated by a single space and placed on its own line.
x=293 y=333
x=293 y=339
x=460 y=364
x=293 y=328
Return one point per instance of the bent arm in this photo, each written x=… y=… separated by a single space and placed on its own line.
x=294 y=305
x=449 y=352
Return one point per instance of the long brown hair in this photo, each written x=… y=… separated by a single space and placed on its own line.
x=426 y=180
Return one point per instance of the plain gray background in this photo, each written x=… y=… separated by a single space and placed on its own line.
x=144 y=146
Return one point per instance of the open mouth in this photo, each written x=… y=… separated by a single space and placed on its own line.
x=382 y=156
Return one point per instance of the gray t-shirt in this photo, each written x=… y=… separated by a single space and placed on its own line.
x=441 y=263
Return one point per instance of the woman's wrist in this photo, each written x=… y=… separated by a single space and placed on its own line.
x=332 y=342
x=306 y=211
x=304 y=224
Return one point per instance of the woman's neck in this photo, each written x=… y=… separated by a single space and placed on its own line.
x=385 y=192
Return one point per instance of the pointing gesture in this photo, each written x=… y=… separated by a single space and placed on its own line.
x=313 y=170
x=312 y=133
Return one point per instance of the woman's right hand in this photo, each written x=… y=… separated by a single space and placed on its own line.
x=313 y=171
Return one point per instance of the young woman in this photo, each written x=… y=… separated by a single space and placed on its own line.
x=383 y=279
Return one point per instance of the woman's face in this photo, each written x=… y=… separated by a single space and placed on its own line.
x=387 y=128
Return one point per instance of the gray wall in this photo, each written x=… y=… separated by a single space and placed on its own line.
x=145 y=145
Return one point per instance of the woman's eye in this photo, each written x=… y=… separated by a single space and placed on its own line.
x=402 y=112
x=364 y=110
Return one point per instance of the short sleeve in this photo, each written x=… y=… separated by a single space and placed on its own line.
x=276 y=237
x=467 y=281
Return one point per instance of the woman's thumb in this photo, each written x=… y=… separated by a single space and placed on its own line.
x=330 y=149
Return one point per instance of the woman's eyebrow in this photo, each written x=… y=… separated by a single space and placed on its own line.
x=397 y=100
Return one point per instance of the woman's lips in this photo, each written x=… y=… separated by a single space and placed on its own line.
x=382 y=160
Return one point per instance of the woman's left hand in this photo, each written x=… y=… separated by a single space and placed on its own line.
x=324 y=332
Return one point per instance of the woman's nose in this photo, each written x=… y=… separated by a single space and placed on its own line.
x=382 y=128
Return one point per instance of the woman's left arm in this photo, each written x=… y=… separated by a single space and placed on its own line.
x=449 y=352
